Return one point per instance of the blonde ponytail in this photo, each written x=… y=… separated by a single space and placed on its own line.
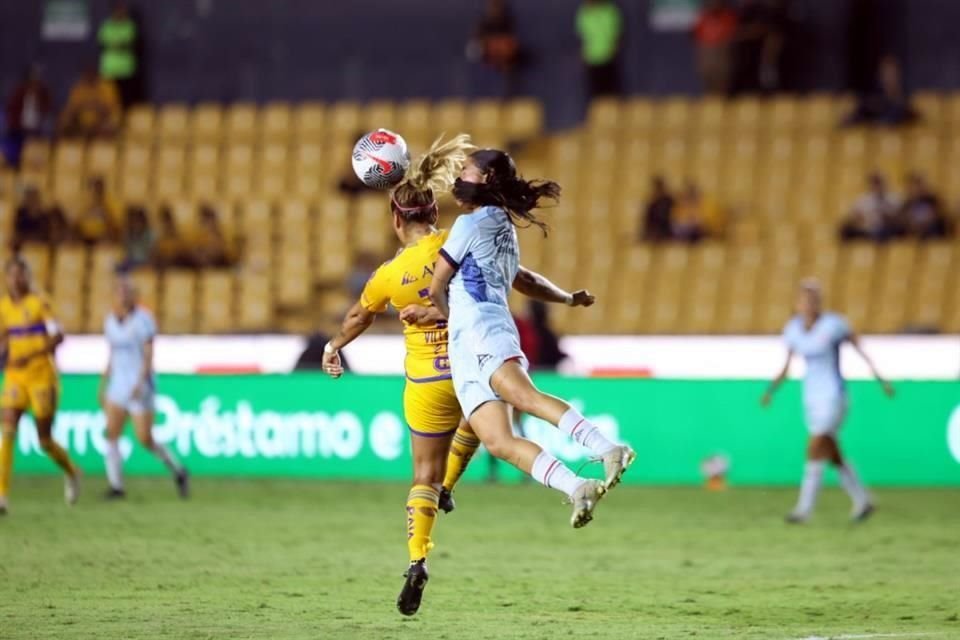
x=433 y=172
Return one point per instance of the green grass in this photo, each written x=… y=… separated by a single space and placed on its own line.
x=279 y=559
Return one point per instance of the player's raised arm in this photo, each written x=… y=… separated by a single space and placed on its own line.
x=442 y=275
x=777 y=381
x=539 y=287
x=854 y=341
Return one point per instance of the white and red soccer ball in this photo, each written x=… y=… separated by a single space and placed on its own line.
x=381 y=158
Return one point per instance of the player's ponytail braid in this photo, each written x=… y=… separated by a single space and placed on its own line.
x=505 y=189
x=414 y=199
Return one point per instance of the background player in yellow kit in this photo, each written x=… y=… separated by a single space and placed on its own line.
x=440 y=449
x=30 y=334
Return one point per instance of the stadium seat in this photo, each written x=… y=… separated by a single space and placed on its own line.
x=380 y=114
x=450 y=116
x=276 y=123
x=147 y=285
x=140 y=124
x=857 y=279
x=255 y=298
x=893 y=291
x=604 y=114
x=37 y=256
x=178 y=313
x=294 y=279
x=242 y=123
x=523 y=119
x=217 y=297
x=639 y=116
x=310 y=122
x=174 y=124
x=413 y=118
x=206 y=123
x=784 y=114
x=332 y=255
x=102 y=160
x=345 y=119
x=930 y=107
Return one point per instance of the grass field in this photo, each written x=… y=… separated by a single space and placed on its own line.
x=247 y=559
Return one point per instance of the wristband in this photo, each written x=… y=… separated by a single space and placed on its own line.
x=329 y=350
x=569 y=300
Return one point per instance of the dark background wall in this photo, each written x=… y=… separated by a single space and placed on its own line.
x=358 y=49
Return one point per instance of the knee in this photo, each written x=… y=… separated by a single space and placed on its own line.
x=146 y=440
x=429 y=472
x=501 y=447
x=46 y=443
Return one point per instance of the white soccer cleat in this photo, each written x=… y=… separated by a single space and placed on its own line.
x=71 y=488
x=615 y=463
x=585 y=500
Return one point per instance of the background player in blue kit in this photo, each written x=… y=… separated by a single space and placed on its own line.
x=817 y=336
x=129 y=385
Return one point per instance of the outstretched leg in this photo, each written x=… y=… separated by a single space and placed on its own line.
x=862 y=505
x=143 y=425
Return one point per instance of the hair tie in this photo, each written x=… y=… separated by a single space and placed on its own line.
x=422 y=207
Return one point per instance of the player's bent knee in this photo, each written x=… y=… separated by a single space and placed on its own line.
x=46 y=443
x=502 y=447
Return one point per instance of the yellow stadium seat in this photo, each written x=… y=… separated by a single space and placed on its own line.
x=345 y=119
x=819 y=112
x=171 y=185
x=135 y=186
x=739 y=313
x=370 y=222
x=69 y=156
x=255 y=298
x=413 y=119
x=380 y=114
x=178 y=313
x=104 y=264
x=710 y=115
x=523 y=118
x=450 y=116
x=893 y=289
x=784 y=114
x=137 y=157
x=206 y=123
x=276 y=122
x=674 y=116
x=485 y=116
x=173 y=159
x=310 y=122
x=147 y=286
x=242 y=123
x=858 y=278
x=102 y=160
x=605 y=114
x=294 y=281
x=931 y=108
x=639 y=116
x=37 y=256
x=256 y=219
x=747 y=114
x=140 y=123
x=174 y=123
x=240 y=157
x=217 y=297
x=98 y=304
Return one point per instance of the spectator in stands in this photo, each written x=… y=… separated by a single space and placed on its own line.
x=713 y=33
x=495 y=40
x=695 y=216
x=118 y=58
x=59 y=231
x=138 y=240
x=922 y=215
x=210 y=246
x=93 y=108
x=31 y=221
x=168 y=248
x=29 y=109
x=97 y=220
x=600 y=26
x=544 y=352
x=658 y=217
x=874 y=214
x=761 y=35
x=888 y=104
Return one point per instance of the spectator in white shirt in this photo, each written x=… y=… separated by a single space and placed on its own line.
x=874 y=214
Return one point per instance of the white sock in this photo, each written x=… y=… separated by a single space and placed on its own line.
x=810 y=487
x=552 y=473
x=854 y=488
x=584 y=432
x=166 y=457
x=114 y=462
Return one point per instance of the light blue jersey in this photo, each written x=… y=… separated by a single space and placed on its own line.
x=128 y=338
x=483 y=248
x=824 y=393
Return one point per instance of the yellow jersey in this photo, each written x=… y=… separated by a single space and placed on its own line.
x=24 y=323
x=403 y=281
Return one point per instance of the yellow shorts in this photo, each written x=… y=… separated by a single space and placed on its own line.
x=38 y=394
x=431 y=408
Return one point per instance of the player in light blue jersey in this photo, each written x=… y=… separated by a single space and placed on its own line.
x=817 y=336
x=128 y=387
x=479 y=266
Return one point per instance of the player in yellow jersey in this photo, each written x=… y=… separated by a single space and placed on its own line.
x=441 y=442
x=30 y=334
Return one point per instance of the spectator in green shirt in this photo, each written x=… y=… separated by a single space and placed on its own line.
x=599 y=25
x=118 y=57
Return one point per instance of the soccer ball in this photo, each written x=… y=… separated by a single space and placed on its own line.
x=380 y=159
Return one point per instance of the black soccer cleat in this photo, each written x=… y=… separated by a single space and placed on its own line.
x=795 y=518
x=114 y=494
x=446 y=502
x=408 y=602
x=864 y=514
x=183 y=484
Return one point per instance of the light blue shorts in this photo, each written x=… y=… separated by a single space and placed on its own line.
x=120 y=394
x=476 y=352
x=825 y=415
